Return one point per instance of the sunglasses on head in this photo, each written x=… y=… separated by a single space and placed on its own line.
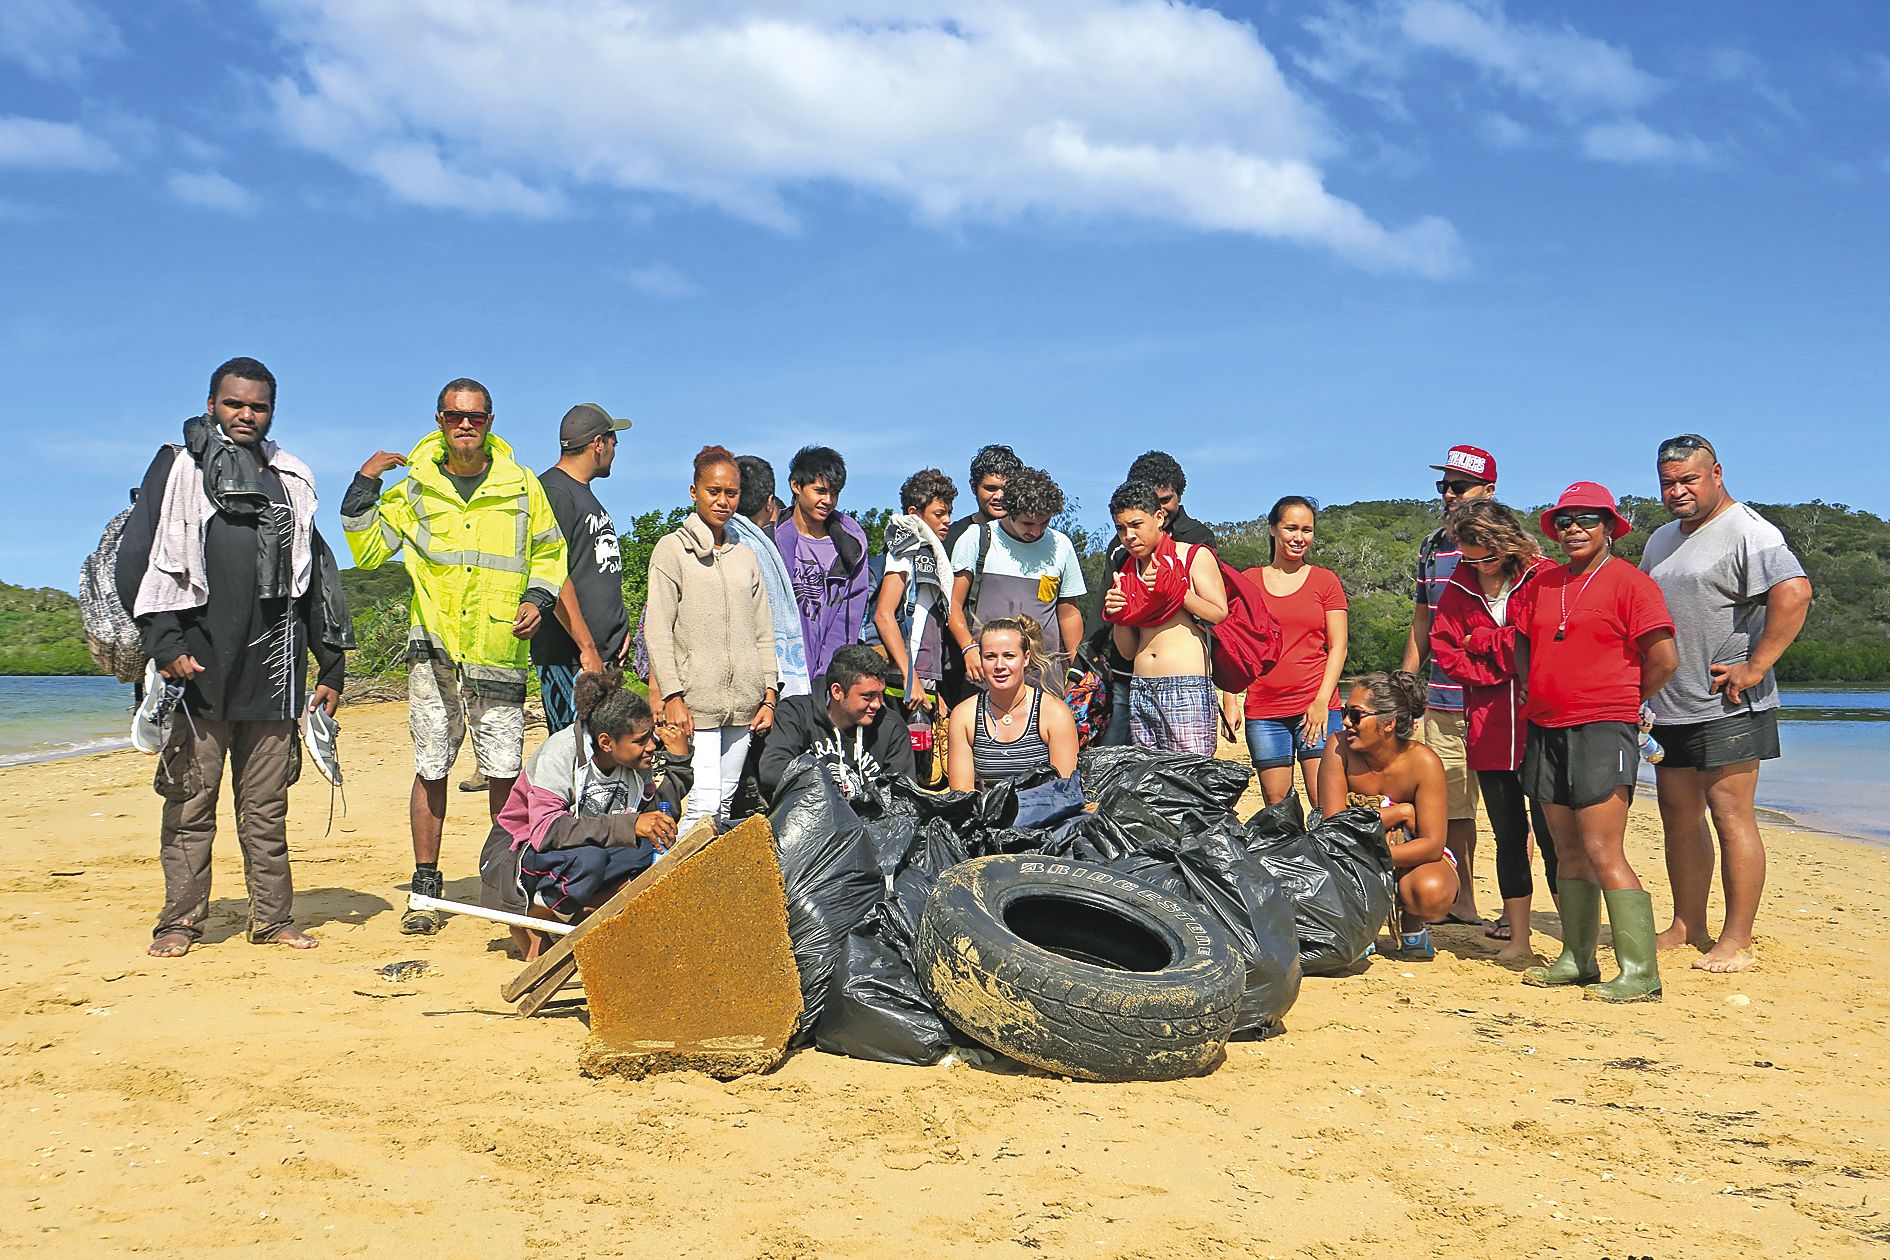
x=1353 y=714
x=1446 y=486
x=1480 y=561
x=1587 y=520
x=1689 y=442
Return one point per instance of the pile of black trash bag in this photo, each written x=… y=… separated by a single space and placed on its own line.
x=1296 y=899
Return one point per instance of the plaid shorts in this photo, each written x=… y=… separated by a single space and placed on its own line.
x=443 y=702
x=1179 y=713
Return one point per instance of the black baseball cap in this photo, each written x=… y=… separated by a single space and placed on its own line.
x=584 y=422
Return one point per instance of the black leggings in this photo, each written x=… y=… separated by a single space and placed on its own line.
x=1511 y=814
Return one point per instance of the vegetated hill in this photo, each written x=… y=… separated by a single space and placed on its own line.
x=39 y=632
x=1372 y=546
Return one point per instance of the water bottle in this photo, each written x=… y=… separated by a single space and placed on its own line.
x=1651 y=751
x=668 y=810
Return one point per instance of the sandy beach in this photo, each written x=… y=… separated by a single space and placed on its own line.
x=247 y=1097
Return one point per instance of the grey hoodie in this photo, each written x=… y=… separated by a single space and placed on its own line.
x=710 y=634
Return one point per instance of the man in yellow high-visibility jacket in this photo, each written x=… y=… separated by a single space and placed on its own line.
x=487 y=561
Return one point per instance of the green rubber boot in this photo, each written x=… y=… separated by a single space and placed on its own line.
x=1631 y=915
x=1581 y=928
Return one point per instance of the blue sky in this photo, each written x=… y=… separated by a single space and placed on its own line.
x=1304 y=247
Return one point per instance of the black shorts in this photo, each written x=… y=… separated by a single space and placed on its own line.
x=1727 y=741
x=1579 y=766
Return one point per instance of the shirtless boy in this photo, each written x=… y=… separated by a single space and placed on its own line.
x=1160 y=602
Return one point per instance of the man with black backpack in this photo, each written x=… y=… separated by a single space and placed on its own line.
x=231 y=588
x=1018 y=565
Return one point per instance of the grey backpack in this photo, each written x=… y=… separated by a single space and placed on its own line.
x=110 y=634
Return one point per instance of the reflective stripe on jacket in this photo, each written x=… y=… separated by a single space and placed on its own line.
x=471 y=562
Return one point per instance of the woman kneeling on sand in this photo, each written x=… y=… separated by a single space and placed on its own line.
x=1374 y=761
x=592 y=809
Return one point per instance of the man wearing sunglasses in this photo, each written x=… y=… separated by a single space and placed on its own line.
x=487 y=559
x=1469 y=473
x=1738 y=598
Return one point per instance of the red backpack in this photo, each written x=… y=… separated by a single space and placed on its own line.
x=1247 y=644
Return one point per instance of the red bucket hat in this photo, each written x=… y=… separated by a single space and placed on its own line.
x=1592 y=495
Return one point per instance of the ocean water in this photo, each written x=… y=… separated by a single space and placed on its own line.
x=1834 y=775
x=1834 y=771
x=42 y=718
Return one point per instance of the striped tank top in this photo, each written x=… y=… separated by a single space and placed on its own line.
x=995 y=761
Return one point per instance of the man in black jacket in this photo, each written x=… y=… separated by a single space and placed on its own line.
x=231 y=587
x=848 y=726
x=1163 y=471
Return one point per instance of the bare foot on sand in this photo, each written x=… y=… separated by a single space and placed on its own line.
x=1516 y=953
x=1726 y=958
x=1676 y=936
x=170 y=945
x=291 y=937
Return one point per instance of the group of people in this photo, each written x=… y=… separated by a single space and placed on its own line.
x=772 y=630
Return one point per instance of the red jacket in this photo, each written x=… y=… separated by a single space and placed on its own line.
x=1468 y=645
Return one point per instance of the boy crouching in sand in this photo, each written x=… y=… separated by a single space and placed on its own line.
x=1159 y=603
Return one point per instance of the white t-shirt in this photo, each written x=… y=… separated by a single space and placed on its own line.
x=1050 y=557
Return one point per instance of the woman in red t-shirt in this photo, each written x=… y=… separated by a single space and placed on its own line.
x=1294 y=706
x=1600 y=642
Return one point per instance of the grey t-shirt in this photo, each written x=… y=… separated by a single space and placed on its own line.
x=1715 y=581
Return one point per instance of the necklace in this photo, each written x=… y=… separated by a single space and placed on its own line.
x=1561 y=629
x=1004 y=719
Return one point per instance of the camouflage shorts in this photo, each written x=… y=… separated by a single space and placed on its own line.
x=444 y=701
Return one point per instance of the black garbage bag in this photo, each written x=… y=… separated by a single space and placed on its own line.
x=1215 y=871
x=1339 y=876
x=1286 y=817
x=831 y=870
x=1188 y=791
x=876 y=1009
x=1123 y=823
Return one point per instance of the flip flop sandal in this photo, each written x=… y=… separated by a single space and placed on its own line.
x=1498 y=932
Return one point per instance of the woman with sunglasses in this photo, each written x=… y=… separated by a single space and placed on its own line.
x=1473 y=639
x=1600 y=642
x=1374 y=761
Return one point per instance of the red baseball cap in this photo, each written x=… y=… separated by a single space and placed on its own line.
x=1472 y=461
x=1594 y=496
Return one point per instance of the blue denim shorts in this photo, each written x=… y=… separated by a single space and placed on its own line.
x=1275 y=742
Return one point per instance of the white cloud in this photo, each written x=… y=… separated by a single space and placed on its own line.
x=60 y=146
x=212 y=190
x=1369 y=48
x=662 y=280
x=1632 y=142
x=1556 y=64
x=1500 y=131
x=54 y=38
x=966 y=110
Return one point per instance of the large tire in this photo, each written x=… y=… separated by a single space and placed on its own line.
x=1078 y=970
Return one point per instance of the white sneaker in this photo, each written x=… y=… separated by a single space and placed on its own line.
x=319 y=733
x=151 y=724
